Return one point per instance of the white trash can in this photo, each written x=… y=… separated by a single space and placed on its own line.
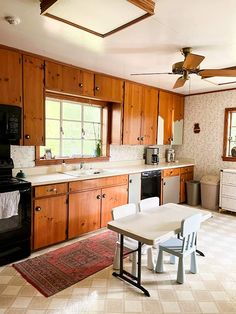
x=210 y=192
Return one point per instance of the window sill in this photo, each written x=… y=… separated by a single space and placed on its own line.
x=44 y=162
x=232 y=159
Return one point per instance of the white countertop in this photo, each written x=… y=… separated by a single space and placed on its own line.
x=105 y=172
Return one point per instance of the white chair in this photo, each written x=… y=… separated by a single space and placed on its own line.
x=148 y=203
x=120 y=212
x=182 y=247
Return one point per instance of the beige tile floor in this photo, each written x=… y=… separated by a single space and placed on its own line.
x=213 y=290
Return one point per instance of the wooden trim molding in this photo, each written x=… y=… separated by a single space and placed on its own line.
x=47 y=162
x=146 y=5
x=225 y=156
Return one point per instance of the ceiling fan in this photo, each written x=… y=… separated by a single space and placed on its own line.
x=190 y=65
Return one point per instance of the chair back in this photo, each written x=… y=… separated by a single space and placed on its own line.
x=123 y=211
x=148 y=203
x=189 y=228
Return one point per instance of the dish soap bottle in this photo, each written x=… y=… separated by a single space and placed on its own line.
x=63 y=166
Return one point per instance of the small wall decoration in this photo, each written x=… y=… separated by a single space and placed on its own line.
x=196 y=128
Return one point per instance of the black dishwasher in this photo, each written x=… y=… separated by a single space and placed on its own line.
x=150 y=184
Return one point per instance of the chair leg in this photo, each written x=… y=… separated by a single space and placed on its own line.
x=134 y=264
x=172 y=259
x=150 y=263
x=193 y=263
x=159 y=265
x=116 y=261
x=181 y=271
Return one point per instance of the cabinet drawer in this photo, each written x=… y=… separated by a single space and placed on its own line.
x=98 y=183
x=51 y=189
x=229 y=178
x=171 y=172
x=186 y=169
x=228 y=203
x=228 y=190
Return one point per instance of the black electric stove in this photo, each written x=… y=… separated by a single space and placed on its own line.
x=15 y=226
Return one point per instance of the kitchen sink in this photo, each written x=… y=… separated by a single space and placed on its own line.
x=83 y=172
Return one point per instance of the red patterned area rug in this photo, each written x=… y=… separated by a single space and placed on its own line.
x=59 y=269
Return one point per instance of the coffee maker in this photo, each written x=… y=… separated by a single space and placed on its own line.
x=170 y=155
x=152 y=155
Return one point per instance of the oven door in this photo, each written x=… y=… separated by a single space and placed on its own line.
x=17 y=226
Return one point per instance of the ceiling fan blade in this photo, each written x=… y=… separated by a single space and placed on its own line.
x=192 y=61
x=151 y=73
x=180 y=82
x=218 y=72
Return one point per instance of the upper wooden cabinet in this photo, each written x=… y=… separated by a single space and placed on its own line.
x=140 y=114
x=170 y=118
x=33 y=89
x=108 y=88
x=10 y=77
x=72 y=80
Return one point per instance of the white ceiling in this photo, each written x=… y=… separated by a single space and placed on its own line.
x=151 y=45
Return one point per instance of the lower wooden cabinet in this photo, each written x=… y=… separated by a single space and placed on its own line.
x=50 y=221
x=186 y=174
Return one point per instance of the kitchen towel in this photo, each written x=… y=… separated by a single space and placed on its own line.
x=9 y=203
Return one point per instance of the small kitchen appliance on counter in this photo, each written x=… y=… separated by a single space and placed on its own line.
x=152 y=155
x=170 y=155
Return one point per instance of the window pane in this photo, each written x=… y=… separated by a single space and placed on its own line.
x=71 y=129
x=92 y=114
x=71 y=148
x=92 y=131
x=71 y=111
x=89 y=148
x=52 y=109
x=52 y=129
x=234 y=119
x=55 y=147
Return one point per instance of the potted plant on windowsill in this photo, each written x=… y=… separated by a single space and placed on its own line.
x=98 y=148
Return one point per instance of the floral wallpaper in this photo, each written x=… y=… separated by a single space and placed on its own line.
x=206 y=147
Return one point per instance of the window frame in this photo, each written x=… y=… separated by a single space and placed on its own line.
x=104 y=132
x=228 y=112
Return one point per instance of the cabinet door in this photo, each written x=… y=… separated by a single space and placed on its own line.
x=178 y=119
x=84 y=212
x=53 y=76
x=86 y=83
x=70 y=82
x=149 y=116
x=33 y=87
x=112 y=197
x=10 y=77
x=108 y=88
x=184 y=177
x=132 y=113
x=165 y=118
x=50 y=221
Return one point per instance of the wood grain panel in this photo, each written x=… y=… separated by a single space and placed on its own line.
x=10 y=77
x=149 y=116
x=171 y=172
x=34 y=97
x=50 y=189
x=50 y=221
x=133 y=101
x=98 y=183
x=186 y=169
x=178 y=104
x=53 y=76
x=166 y=113
x=84 y=212
x=86 y=78
x=112 y=197
x=108 y=88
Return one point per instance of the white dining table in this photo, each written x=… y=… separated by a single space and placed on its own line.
x=156 y=224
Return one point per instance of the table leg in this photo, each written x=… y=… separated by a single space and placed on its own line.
x=125 y=275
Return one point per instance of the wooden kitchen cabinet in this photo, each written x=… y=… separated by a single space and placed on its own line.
x=186 y=174
x=108 y=88
x=140 y=114
x=10 y=77
x=34 y=97
x=170 y=118
x=50 y=221
x=91 y=201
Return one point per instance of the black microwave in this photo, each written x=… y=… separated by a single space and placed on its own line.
x=10 y=124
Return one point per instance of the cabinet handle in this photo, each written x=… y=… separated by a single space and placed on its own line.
x=52 y=190
x=81 y=85
x=138 y=138
x=141 y=138
x=164 y=183
x=103 y=195
x=27 y=136
x=97 y=88
x=98 y=197
x=38 y=208
x=130 y=181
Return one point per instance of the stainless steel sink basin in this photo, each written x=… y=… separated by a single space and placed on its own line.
x=82 y=172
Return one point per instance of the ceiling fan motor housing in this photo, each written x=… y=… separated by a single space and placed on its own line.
x=177 y=68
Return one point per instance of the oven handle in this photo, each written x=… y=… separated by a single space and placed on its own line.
x=26 y=190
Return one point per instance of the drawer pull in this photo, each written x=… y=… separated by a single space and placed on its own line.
x=52 y=190
x=103 y=195
x=98 y=197
x=38 y=208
